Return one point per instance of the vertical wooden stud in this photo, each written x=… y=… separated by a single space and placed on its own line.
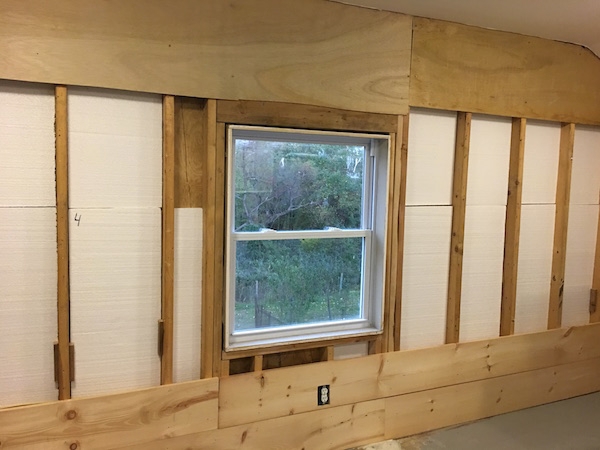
x=563 y=191
x=401 y=170
x=64 y=369
x=168 y=237
x=258 y=363
x=513 y=227
x=459 y=204
x=595 y=312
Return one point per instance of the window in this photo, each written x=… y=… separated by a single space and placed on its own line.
x=306 y=235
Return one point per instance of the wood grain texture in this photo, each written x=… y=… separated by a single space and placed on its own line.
x=561 y=220
x=113 y=421
x=210 y=363
x=115 y=143
x=313 y=52
x=425 y=276
x=62 y=239
x=168 y=238
x=259 y=396
x=187 y=294
x=459 y=205
x=115 y=264
x=333 y=429
x=189 y=143
x=513 y=225
x=460 y=67
x=26 y=145
x=303 y=116
x=438 y=408
x=535 y=268
x=28 y=298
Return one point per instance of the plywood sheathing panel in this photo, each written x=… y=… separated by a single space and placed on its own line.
x=310 y=52
x=465 y=68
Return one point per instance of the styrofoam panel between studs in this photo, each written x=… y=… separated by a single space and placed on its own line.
x=585 y=177
x=28 y=277
x=579 y=265
x=115 y=149
x=489 y=156
x=425 y=276
x=540 y=162
x=431 y=142
x=27 y=152
x=187 y=294
x=535 y=268
x=115 y=274
x=483 y=257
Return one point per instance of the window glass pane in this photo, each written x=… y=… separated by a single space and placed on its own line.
x=297 y=281
x=288 y=186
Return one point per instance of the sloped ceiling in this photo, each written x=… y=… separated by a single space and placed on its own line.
x=575 y=21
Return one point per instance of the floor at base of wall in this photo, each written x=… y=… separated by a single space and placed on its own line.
x=567 y=425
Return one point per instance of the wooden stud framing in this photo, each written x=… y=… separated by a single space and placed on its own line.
x=401 y=168
x=63 y=369
x=594 y=309
x=208 y=363
x=168 y=238
x=513 y=227
x=459 y=204
x=563 y=191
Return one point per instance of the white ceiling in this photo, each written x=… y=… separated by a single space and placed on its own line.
x=576 y=21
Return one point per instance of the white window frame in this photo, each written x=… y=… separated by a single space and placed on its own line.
x=373 y=232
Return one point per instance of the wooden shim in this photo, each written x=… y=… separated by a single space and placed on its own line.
x=335 y=428
x=113 y=421
x=189 y=150
x=314 y=52
x=400 y=178
x=168 y=238
x=438 y=408
x=258 y=396
x=460 y=67
x=210 y=364
x=62 y=240
x=303 y=116
x=513 y=227
x=595 y=311
x=459 y=203
x=563 y=190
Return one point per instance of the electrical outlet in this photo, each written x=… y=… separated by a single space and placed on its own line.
x=323 y=394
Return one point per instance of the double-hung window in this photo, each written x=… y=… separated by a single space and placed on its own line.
x=306 y=235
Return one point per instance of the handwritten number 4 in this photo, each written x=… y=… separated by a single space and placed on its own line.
x=77 y=219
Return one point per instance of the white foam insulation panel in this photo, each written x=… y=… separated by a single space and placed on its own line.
x=115 y=149
x=115 y=272
x=579 y=265
x=431 y=141
x=26 y=145
x=28 y=279
x=535 y=268
x=425 y=276
x=489 y=154
x=540 y=162
x=483 y=257
x=354 y=350
x=187 y=294
x=585 y=178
